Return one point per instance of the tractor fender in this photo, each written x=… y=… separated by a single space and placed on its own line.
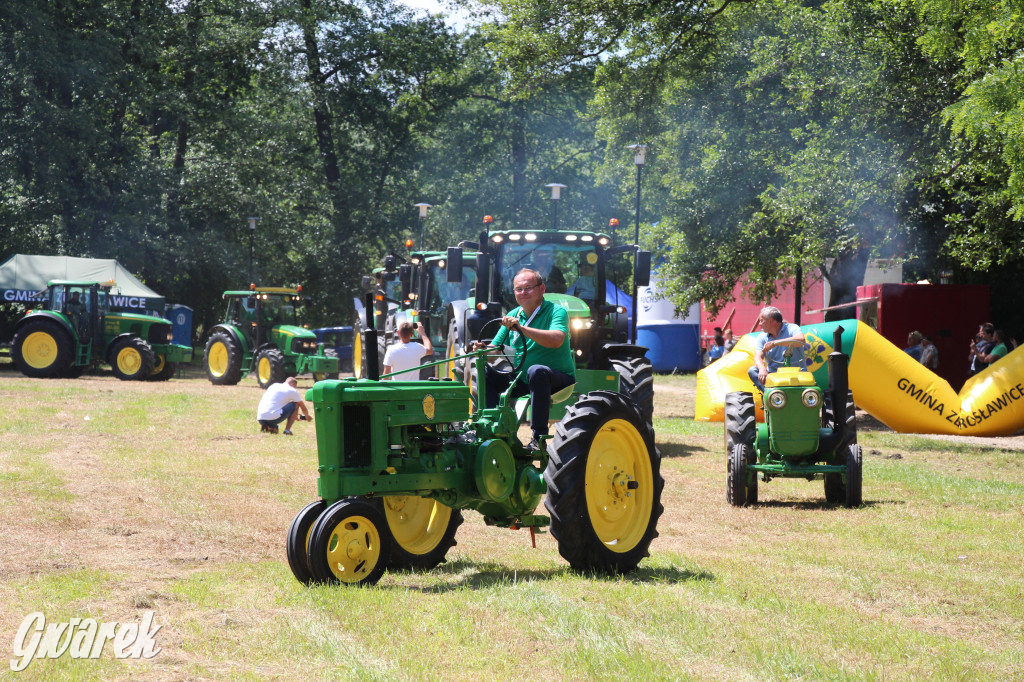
x=233 y=332
x=56 y=317
x=608 y=350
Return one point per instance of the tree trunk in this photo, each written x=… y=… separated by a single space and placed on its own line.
x=844 y=276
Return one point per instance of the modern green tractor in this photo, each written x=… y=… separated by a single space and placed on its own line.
x=807 y=433
x=417 y=290
x=399 y=461
x=261 y=332
x=580 y=269
x=77 y=331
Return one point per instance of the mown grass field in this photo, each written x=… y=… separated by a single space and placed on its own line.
x=122 y=497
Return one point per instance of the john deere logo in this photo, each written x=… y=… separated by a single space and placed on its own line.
x=817 y=351
x=428 y=406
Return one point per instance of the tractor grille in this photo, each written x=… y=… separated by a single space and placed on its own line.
x=159 y=333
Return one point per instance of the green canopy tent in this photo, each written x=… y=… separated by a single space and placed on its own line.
x=22 y=277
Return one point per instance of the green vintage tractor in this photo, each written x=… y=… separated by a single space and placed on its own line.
x=582 y=271
x=399 y=461
x=77 y=331
x=261 y=332
x=807 y=433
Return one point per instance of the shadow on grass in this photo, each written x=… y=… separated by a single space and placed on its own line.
x=672 y=450
x=822 y=504
x=466 y=574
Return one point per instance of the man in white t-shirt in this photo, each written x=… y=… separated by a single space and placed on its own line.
x=279 y=402
x=406 y=354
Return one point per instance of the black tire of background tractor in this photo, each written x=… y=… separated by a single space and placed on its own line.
x=741 y=489
x=382 y=349
x=270 y=367
x=412 y=548
x=222 y=343
x=297 y=545
x=349 y=544
x=584 y=437
x=57 y=343
x=162 y=370
x=453 y=370
x=132 y=359
x=637 y=381
x=854 y=476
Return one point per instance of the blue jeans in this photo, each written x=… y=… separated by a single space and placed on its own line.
x=286 y=412
x=542 y=381
x=752 y=373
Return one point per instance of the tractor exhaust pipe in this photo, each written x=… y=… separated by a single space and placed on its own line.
x=370 y=341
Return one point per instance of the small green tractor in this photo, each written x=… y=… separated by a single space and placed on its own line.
x=399 y=461
x=260 y=332
x=807 y=433
x=581 y=268
x=77 y=331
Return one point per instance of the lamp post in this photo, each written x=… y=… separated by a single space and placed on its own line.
x=556 y=195
x=252 y=242
x=423 y=219
x=639 y=156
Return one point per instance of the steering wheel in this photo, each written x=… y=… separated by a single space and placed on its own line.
x=520 y=352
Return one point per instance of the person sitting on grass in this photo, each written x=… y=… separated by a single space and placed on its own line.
x=280 y=402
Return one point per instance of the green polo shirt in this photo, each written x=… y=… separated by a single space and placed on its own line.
x=552 y=317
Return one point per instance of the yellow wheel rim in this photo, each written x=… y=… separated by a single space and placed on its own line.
x=159 y=363
x=418 y=524
x=353 y=549
x=129 y=360
x=39 y=350
x=619 y=486
x=357 y=355
x=218 y=359
x=263 y=370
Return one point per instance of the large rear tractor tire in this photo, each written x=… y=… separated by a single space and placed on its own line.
x=132 y=359
x=223 y=359
x=452 y=370
x=604 y=484
x=349 y=544
x=740 y=432
x=297 y=546
x=636 y=377
x=422 y=531
x=270 y=367
x=835 y=484
x=42 y=349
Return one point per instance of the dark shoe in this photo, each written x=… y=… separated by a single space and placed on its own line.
x=269 y=429
x=287 y=432
x=535 y=446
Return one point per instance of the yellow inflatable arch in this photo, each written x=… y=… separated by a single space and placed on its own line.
x=887 y=383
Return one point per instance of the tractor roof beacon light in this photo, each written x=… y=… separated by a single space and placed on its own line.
x=613 y=226
x=423 y=219
x=556 y=195
x=252 y=242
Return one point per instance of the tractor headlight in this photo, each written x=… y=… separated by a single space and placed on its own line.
x=577 y=323
x=170 y=337
x=811 y=398
x=777 y=400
